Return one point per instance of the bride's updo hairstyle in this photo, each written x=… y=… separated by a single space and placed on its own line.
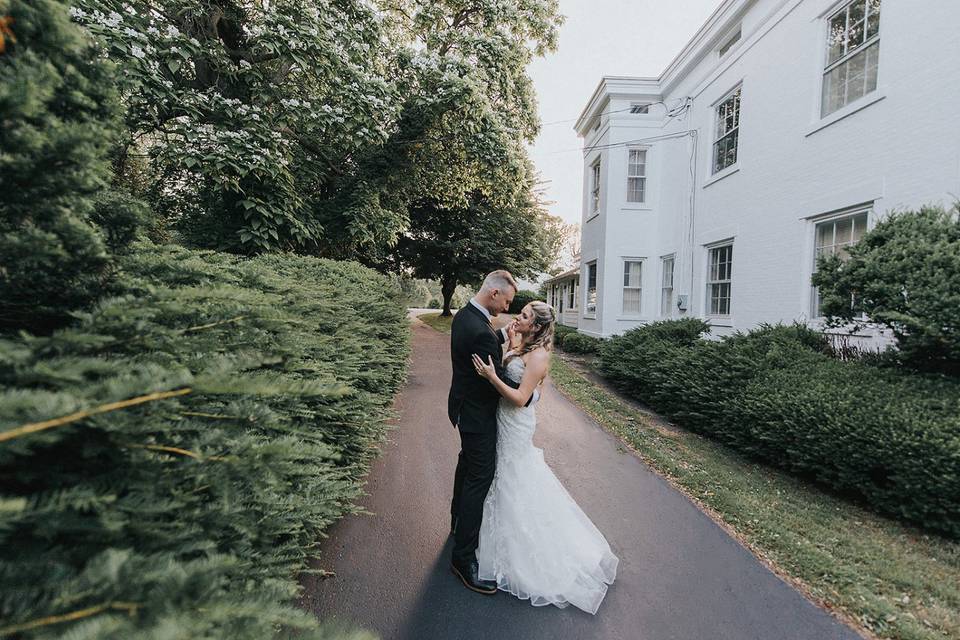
x=542 y=334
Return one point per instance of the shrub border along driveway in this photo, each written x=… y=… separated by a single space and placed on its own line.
x=887 y=579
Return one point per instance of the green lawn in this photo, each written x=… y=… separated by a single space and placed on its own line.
x=892 y=580
x=436 y=321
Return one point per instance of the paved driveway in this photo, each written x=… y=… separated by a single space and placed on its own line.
x=681 y=576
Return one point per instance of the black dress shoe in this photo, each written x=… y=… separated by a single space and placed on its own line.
x=454 y=520
x=470 y=577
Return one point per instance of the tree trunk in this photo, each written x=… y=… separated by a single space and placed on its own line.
x=448 y=284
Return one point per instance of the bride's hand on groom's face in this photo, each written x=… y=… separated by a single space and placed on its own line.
x=485 y=369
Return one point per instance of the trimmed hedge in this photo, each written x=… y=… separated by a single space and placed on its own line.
x=581 y=343
x=886 y=436
x=262 y=387
x=560 y=332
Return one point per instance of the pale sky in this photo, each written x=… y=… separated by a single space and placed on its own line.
x=600 y=38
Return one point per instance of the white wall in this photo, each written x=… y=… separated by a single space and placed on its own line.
x=899 y=148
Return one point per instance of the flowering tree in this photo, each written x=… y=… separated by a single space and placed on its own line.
x=248 y=110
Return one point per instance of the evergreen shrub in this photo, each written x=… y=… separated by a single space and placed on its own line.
x=522 y=299
x=904 y=274
x=60 y=114
x=888 y=437
x=259 y=391
x=560 y=332
x=577 y=342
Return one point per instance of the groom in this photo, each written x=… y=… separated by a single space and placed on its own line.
x=472 y=407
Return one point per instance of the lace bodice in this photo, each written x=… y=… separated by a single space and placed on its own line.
x=515 y=368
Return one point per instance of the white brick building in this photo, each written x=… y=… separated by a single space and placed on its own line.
x=783 y=129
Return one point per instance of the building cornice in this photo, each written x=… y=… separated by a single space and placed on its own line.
x=613 y=86
x=703 y=42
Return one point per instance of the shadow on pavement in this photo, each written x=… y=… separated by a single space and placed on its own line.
x=446 y=609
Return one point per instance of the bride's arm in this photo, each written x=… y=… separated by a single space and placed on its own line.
x=536 y=369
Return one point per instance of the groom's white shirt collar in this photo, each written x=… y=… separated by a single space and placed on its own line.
x=482 y=308
x=486 y=314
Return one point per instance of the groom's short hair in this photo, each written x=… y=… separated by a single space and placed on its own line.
x=499 y=279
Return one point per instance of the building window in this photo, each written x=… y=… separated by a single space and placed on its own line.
x=718 y=280
x=591 y=305
x=573 y=295
x=666 y=286
x=637 y=176
x=834 y=237
x=732 y=40
x=853 y=51
x=595 y=187
x=639 y=107
x=728 y=131
x=632 y=291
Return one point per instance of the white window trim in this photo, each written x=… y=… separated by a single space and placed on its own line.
x=732 y=168
x=624 y=315
x=722 y=319
x=867 y=208
x=673 y=285
x=596 y=172
x=585 y=290
x=642 y=204
x=820 y=120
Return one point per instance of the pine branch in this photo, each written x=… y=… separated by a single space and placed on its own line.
x=129 y=607
x=80 y=415
x=176 y=450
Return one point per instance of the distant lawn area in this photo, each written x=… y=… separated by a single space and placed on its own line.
x=436 y=321
x=442 y=324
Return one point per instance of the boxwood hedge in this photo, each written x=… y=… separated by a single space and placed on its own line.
x=886 y=436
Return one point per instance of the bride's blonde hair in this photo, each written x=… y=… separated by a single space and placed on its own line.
x=544 y=320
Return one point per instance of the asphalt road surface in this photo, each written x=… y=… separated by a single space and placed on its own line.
x=680 y=576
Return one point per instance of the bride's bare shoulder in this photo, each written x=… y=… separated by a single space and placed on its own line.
x=537 y=356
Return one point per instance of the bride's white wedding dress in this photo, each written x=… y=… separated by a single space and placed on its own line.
x=535 y=542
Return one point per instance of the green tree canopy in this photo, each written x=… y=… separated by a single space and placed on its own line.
x=461 y=245
x=249 y=110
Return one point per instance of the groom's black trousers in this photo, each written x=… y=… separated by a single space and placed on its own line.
x=475 y=468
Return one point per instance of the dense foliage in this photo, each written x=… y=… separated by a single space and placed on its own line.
x=189 y=513
x=904 y=274
x=576 y=342
x=886 y=436
x=59 y=116
x=472 y=203
x=314 y=127
x=560 y=332
x=522 y=299
x=249 y=110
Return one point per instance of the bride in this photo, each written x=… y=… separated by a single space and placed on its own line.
x=535 y=542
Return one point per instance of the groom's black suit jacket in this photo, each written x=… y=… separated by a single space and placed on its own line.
x=472 y=403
